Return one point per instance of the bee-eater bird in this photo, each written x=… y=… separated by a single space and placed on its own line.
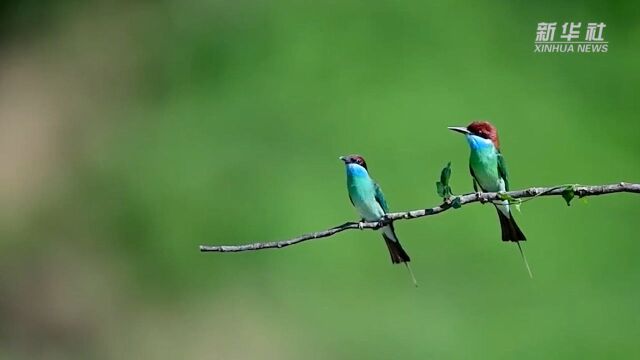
x=366 y=196
x=489 y=172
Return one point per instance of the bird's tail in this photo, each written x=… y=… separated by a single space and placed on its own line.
x=524 y=258
x=398 y=255
x=510 y=230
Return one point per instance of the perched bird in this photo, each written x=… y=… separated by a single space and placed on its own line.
x=366 y=196
x=489 y=173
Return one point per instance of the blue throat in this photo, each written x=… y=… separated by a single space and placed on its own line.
x=356 y=170
x=477 y=143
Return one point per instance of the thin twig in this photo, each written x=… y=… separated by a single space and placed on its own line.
x=580 y=191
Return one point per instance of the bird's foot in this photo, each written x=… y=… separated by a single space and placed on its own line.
x=361 y=224
x=481 y=198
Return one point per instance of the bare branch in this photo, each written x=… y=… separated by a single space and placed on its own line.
x=580 y=191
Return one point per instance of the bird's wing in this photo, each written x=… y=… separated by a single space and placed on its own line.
x=476 y=184
x=350 y=199
x=380 y=198
x=502 y=171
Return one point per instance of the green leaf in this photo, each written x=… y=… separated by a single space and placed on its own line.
x=445 y=174
x=507 y=197
x=440 y=189
x=512 y=201
x=568 y=194
x=517 y=205
x=455 y=203
x=442 y=186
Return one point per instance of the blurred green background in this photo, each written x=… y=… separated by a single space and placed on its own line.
x=132 y=132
